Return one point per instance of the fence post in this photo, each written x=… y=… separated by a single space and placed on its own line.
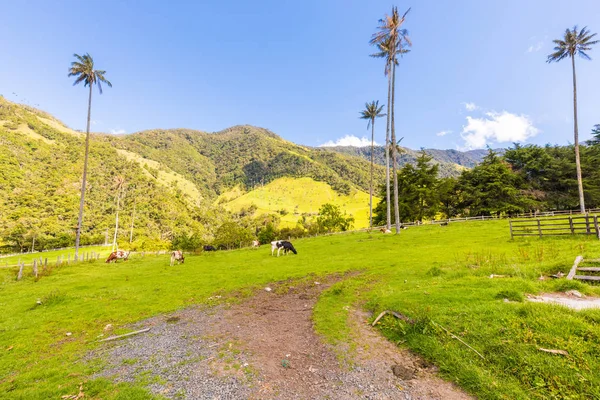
x=571 y=225
x=21 y=265
x=596 y=226
x=510 y=225
x=587 y=224
x=68 y=258
x=539 y=227
x=35 y=269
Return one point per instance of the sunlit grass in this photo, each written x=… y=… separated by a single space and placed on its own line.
x=429 y=273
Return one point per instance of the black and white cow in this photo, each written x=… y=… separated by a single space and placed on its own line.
x=118 y=255
x=177 y=255
x=209 y=248
x=282 y=244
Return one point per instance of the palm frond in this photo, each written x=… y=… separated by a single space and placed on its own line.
x=574 y=42
x=83 y=70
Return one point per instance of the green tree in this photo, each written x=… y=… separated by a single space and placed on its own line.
x=596 y=135
x=490 y=188
x=331 y=219
x=391 y=37
x=83 y=70
x=418 y=190
x=574 y=43
x=448 y=194
x=231 y=235
x=267 y=234
x=372 y=110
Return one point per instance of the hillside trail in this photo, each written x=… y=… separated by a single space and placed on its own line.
x=265 y=347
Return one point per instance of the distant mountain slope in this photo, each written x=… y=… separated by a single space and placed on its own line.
x=451 y=162
x=244 y=155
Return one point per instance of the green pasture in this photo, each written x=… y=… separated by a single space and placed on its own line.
x=438 y=276
x=52 y=256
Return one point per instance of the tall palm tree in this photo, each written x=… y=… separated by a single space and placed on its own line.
x=384 y=52
x=372 y=110
x=394 y=38
x=83 y=70
x=574 y=43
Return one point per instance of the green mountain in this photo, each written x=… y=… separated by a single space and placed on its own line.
x=178 y=181
x=173 y=180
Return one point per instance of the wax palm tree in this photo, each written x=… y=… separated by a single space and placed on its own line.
x=391 y=37
x=384 y=52
x=83 y=70
x=574 y=43
x=372 y=110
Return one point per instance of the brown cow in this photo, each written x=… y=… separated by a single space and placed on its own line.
x=118 y=255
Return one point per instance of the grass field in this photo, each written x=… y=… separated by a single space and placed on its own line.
x=438 y=276
x=27 y=258
x=301 y=195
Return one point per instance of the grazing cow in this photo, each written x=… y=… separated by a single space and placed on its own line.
x=282 y=244
x=209 y=248
x=118 y=255
x=177 y=255
x=444 y=223
x=383 y=230
x=255 y=243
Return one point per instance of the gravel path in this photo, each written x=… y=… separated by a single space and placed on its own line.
x=266 y=348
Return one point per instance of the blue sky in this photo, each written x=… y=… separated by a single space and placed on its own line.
x=476 y=75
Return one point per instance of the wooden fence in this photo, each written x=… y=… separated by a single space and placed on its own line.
x=567 y=225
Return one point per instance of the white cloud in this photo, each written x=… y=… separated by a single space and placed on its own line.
x=349 y=140
x=497 y=127
x=471 y=106
x=443 y=133
x=118 y=131
x=535 y=47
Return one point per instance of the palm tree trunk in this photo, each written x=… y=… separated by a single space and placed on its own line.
x=132 y=220
x=394 y=152
x=85 y=163
x=387 y=156
x=114 y=245
x=576 y=134
x=371 y=184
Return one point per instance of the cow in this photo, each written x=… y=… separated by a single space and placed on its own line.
x=177 y=255
x=444 y=223
x=384 y=230
x=255 y=243
x=209 y=248
x=282 y=244
x=118 y=255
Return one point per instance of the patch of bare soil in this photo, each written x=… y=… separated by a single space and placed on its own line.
x=266 y=348
x=571 y=299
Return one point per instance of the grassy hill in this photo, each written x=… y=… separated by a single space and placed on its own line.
x=294 y=197
x=437 y=276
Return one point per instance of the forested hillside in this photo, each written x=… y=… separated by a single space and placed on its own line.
x=172 y=179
